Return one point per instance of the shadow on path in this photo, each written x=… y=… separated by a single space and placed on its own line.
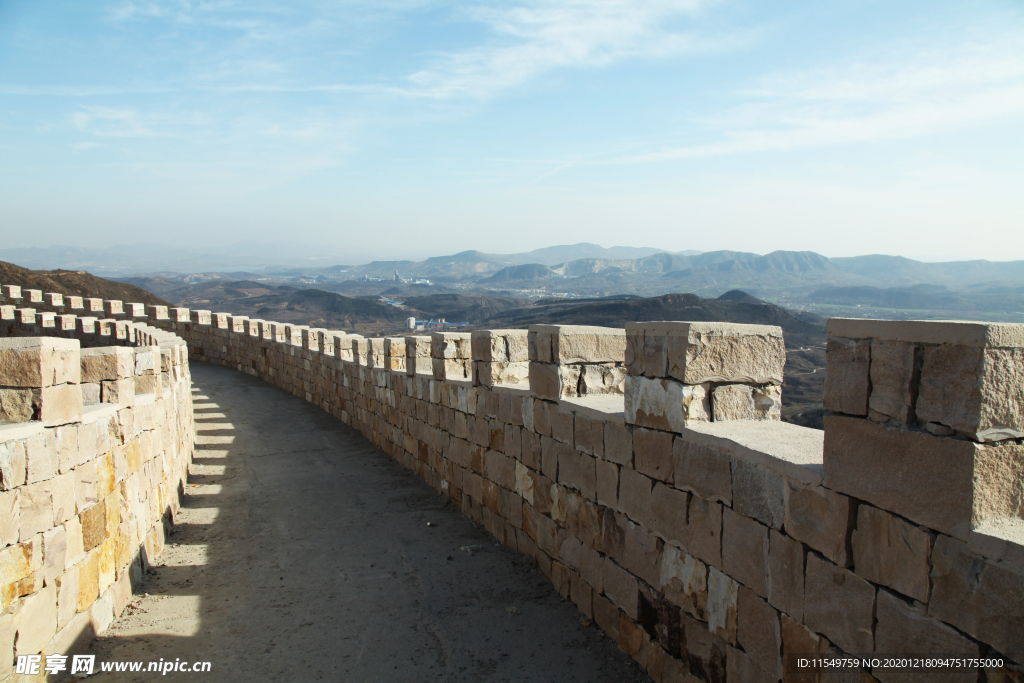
x=302 y=553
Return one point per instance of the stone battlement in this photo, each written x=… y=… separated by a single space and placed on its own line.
x=96 y=434
x=648 y=473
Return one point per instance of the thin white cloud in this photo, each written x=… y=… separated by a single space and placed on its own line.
x=532 y=38
x=130 y=123
x=904 y=96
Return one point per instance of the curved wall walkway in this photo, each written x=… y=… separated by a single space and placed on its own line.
x=301 y=554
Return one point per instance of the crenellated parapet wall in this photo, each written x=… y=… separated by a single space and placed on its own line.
x=668 y=501
x=96 y=435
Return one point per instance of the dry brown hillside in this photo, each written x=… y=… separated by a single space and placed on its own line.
x=76 y=282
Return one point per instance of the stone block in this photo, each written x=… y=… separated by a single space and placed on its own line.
x=745 y=551
x=703 y=470
x=36 y=621
x=839 y=605
x=553 y=382
x=847 y=383
x=964 y=371
x=54 y=553
x=821 y=518
x=588 y=435
x=665 y=404
x=41 y=456
x=450 y=368
x=641 y=553
x=798 y=640
x=119 y=391
x=740 y=666
x=966 y=389
x=759 y=633
x=493 y=374
x=37 y=362
x=635 y=495
x=601 y=378
x=451 y=345
x=704 y=531
x=684 y=581
x=758 y=493
x=634 y=357
x=94 y=526
x=576 y=470
x=621 y=587
x=607 y=484
x=890 y=551
x=698 y=352
x=786 y=575
x=905 y=628
x=983 y=600
x=524 y=482
x=950 y=485
x=36 y=509
x=563 y=344
x=723 y=598
x=60 y=404
x=652 y=453
x=667 y=514
x=618 y=444
x=10 y=516
x=746 y=402
x=705 y=653
x=67 y=597
x=500 y=346
x=894 y=368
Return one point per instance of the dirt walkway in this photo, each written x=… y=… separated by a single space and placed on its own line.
x=303 y=553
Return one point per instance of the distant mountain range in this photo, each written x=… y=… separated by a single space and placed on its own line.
x=148 y=258
x=806 y=280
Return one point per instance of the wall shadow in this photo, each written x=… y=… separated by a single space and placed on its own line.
x=301 y=552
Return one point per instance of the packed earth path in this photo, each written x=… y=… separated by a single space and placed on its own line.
x=302 y=552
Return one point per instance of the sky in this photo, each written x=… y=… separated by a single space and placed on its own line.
x=415 y=128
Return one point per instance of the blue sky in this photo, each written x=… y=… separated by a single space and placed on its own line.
x=411 y=128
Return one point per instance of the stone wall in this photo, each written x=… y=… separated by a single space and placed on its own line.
x=95 y=444
x=647 y=472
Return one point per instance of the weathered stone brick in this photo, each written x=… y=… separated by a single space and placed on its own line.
x=723 y=596
x=839 y=605
x=621 y=587
x=847 y=386
x=618 y=444
x=704 y=531
x=758 y=493
x=892 y=552
x=703 y=470
x=652 y=453
x=786 y=575
x=892 y=380
x=684 y=581
x=668 y=508
x=745 y=551
x=635 y=495
x=819 y=517
x=983 y=600
x=607 y=474
x=905 y=628
x=758 y=632
x=589 y=435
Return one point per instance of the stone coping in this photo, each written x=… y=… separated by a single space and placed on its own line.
x=788 y=450
x=716 y=328
x=1000 y=539
x=606 y=407
x=518 y=389
x=15 y=431
x=101 y=411
x=959 y=332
